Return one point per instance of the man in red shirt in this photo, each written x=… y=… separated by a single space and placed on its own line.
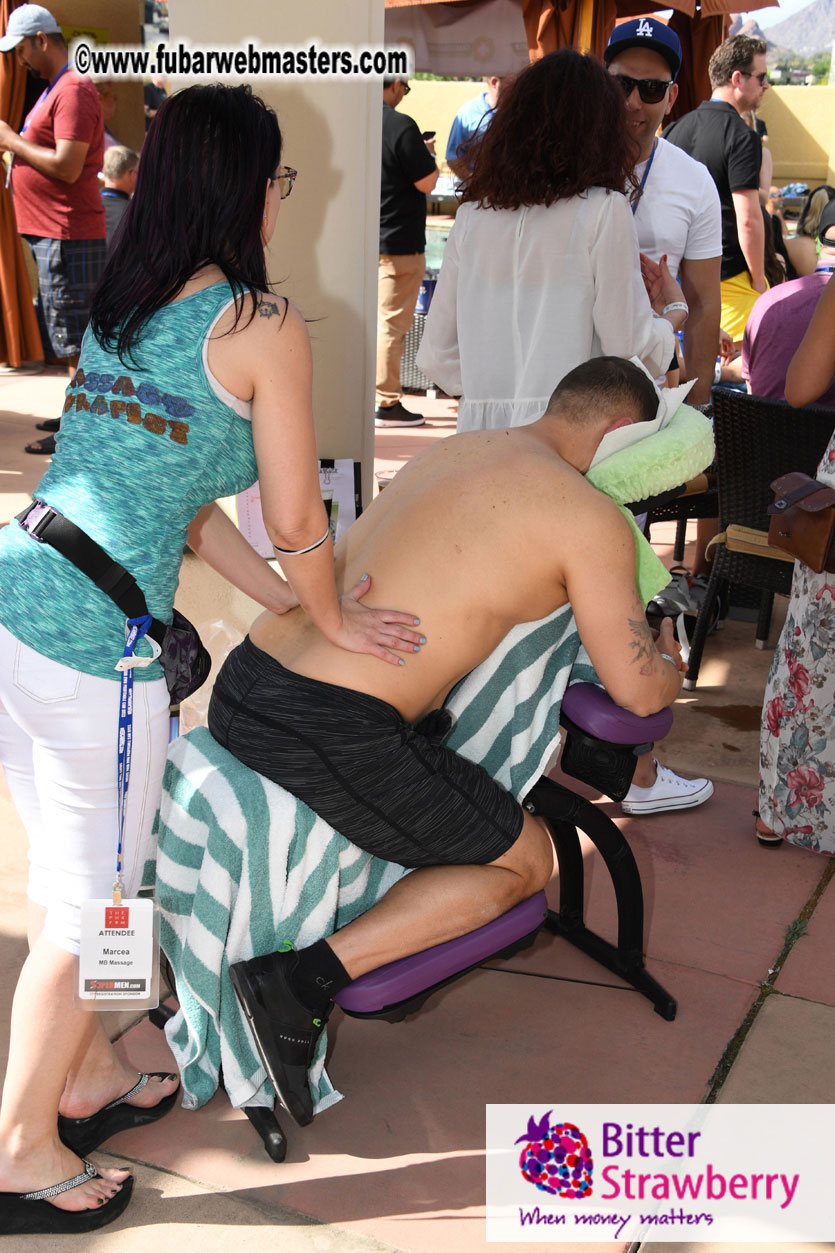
x=54 y=177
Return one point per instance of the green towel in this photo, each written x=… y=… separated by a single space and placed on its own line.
x=673 y=455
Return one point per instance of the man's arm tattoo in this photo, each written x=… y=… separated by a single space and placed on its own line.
x=642 y=644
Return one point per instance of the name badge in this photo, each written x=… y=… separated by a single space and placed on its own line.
x=118 y=966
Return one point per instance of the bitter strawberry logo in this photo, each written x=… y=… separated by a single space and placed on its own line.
x=116 y=917
x=556 y=1159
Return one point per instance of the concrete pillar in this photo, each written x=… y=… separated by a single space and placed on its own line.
x=324 y=252
x=325 y=247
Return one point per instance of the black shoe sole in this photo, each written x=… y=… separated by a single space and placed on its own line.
x=82 y=1135
x=299 y=1105
x=39 y=1218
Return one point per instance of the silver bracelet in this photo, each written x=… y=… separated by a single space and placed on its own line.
x=676 y=304
x=667 y=657
x=298 y=552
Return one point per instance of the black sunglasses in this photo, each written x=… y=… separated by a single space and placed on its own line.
x=761 y=78
x=651 y=90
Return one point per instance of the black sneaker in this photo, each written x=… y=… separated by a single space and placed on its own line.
x=285 y=1031
x=396 y=415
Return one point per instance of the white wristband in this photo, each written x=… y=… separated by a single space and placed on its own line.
x=676 y=304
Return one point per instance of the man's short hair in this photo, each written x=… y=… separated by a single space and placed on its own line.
x=735 y=53
x=602 y=385
x=119 y=161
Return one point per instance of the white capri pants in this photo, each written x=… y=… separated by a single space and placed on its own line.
x=58 y=732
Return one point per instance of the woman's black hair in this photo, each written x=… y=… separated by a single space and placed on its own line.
x=199 y=200
x=559 y=128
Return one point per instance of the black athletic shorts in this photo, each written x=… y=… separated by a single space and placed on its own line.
x=389 y=787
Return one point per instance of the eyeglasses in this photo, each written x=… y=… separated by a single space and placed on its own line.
x=651 y=90
x=761 y=78
x=285 y=177
x=405 y=86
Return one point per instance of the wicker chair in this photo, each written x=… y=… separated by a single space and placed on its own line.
x=696 y=499
x=757 y=440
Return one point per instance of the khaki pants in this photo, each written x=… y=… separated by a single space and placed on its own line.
x=398 y=284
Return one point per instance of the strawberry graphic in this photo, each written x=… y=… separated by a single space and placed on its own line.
x=556 y=1159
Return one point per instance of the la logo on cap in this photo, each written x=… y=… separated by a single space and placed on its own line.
x=644 y=27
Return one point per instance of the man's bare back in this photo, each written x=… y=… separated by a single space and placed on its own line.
x=480 y=532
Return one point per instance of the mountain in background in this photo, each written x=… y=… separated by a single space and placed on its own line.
x=742 y=25
x=809 y=31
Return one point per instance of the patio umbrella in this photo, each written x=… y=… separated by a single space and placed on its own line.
x=19 y=336
x=587 y=24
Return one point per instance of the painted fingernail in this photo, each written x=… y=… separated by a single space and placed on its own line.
x=417 y=621
x=417 y=648
x=400 y=661
x=423 y=639
x=364 y=577
x=100 y=1200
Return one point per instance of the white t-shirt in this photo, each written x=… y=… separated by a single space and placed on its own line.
x=679 y=212
x=525 y=295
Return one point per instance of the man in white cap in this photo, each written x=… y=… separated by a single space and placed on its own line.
x=54 y=177
x=677 y=211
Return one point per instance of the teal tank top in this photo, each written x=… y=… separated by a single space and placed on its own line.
x=142 y=447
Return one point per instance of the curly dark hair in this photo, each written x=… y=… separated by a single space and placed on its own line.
x=559 y=129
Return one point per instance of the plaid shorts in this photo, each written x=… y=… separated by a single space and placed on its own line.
x=68 y=270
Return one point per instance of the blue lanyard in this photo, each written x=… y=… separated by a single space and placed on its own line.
x=647 y=169
x=42 y=97
x=825 y=269
x=136 y=628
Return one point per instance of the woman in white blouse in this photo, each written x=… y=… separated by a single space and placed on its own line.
x=542 y=270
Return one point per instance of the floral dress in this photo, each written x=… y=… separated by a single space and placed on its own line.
x=797 y=739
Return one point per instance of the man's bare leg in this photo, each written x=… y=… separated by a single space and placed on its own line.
x=287 y=996
x=439 y=903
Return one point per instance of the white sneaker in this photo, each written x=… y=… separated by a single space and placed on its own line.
x=669 y=791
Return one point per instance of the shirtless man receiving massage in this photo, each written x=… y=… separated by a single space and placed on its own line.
x=482 y=531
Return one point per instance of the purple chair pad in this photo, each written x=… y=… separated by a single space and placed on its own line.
x=593 y=711
x=402 y=979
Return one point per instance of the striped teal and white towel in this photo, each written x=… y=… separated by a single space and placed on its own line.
x=243 y=866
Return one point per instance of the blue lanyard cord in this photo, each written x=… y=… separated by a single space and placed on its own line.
x=25 y=125
x=825 y=269
x=647 y=168
x=136 y=628
x=43 y=97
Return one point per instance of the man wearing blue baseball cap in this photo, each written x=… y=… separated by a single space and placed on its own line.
x=54 y=177
x=677 y=212
x=717 y=135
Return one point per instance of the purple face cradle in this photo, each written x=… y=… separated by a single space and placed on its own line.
x=643 y=120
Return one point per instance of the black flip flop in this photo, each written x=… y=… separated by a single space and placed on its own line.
x=30 y=1213
x=50 y=424
x=82 y=1135
x=41 y=447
